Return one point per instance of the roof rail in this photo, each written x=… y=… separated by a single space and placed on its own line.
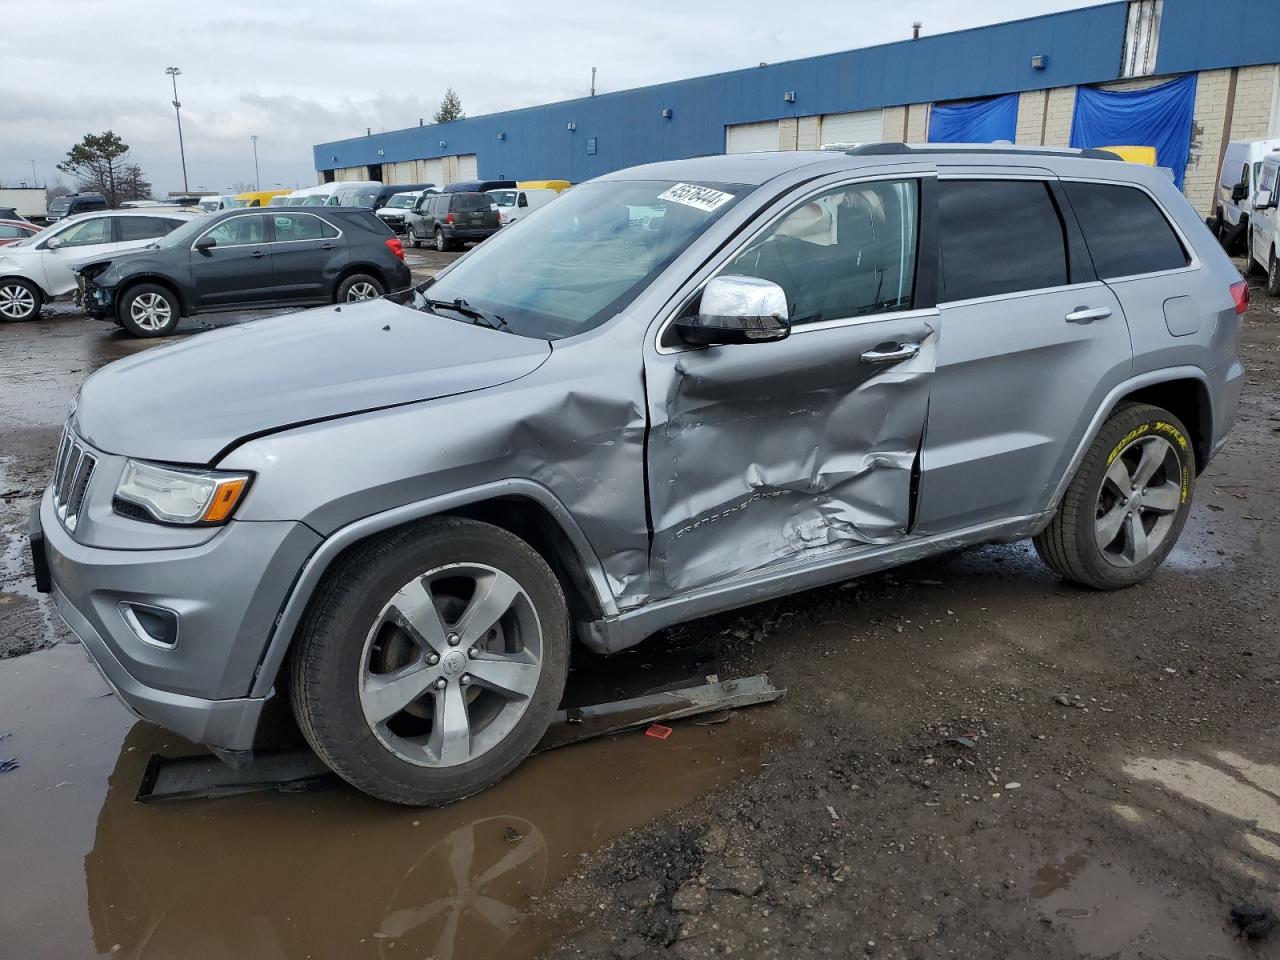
x=897 y=149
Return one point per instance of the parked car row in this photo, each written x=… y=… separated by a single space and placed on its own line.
x=1245 y=215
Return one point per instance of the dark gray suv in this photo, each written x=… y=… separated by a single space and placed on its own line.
x=678 y=389
x=449 y=220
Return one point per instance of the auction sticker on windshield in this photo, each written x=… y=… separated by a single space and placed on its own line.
x=700 y=198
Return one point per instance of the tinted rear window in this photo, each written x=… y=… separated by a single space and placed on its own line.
x=471 y=201
x=1125 y=231
x=999 y=236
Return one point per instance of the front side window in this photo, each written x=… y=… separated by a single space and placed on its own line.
x=299 y=226
x=87 y=232
x=503 y=198
x=998 y=237
x=238 y=232
x=849 y=252
x=585 y=257
x=1125 y=232
x=8 y=231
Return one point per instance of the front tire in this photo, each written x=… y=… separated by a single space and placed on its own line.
x=149 y=310
x=19 y=300
x=358 y=287
x=1273 y=275
x=431 y=661
x=1127 y=504
x=415 y=239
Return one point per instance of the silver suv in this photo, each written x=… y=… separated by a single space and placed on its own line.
x=678 y=389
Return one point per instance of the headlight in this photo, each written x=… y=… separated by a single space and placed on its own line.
x=171 y=495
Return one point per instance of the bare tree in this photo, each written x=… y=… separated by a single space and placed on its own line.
x=132 y=184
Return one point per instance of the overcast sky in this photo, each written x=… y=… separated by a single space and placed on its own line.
x=298 y=74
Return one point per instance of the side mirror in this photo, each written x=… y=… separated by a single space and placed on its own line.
x=1262 y=199
x=523 y=201
x=206 y=243
x=736 y=309
x=1239 y=192
x=55 y=243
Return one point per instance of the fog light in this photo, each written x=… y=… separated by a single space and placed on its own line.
x=157 y=626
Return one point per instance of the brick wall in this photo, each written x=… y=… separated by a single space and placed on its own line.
x=1030 y=114
x=1057 y=119
x=1200 y=183
x=894 y=124
x=787 y=129
x=917 y=123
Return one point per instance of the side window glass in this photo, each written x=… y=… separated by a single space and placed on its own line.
x=144 y=228
x=238 y=232
x=297 y=226
x=999 y=236
x=82 y=234
x=1125 y=231
x=849 y=252
x=327 y=230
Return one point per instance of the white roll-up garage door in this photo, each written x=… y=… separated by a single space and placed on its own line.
x=751 y=137
x=865 y=126
x=467 y=167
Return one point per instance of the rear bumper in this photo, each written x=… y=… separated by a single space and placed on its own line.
x=453 y=233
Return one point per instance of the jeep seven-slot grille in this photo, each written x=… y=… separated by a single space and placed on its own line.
x=71 y=476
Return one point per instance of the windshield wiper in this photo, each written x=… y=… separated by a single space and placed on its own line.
x=480 y=317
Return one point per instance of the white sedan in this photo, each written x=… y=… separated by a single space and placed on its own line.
x=39 y=268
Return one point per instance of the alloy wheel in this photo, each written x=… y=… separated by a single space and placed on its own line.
x=1138 y=502
x=150 y=311
x=362 y=291
x=16 y=302
x=450 y=665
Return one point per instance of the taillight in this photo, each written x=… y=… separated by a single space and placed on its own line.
x=449 y=218
x=1240 y=294
x=395 y=246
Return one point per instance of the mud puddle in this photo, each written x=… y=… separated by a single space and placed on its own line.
x=1111 y=913
x=325 y=874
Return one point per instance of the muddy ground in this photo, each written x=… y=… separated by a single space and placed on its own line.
x=973 y=760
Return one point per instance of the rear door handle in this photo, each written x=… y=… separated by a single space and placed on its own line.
x=327 y=246
x=903 y=351
x=1087 y=314
x=258 y=254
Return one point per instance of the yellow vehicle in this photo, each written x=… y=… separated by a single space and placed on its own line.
x=257 y=198
x=1143 y=155
x=558 y=186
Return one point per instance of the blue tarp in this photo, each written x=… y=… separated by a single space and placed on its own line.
x=1160 y=117
x=977 y=121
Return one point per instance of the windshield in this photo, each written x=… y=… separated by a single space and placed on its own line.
x=402 y=200
x=576 y=262
x=60 y=205
x=503 y=198
x=234 y=203
x=360 y=198
x=315 y=200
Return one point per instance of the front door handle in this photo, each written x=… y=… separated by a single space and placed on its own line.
x=1087 y=314
x=895 y=354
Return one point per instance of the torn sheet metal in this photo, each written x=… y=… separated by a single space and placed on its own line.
x=762 y=454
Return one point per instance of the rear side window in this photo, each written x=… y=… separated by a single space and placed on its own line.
x=1125 y=231
x=145 y=228
x=471 y=201
x=999 y=236
x=300 y=226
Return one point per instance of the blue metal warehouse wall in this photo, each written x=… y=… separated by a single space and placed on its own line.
x=1081 y=46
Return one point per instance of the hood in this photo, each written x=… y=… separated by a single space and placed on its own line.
x=188 y=402
x=103 y=260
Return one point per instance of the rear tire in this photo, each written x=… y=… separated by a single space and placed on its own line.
x=442 y=244
x=1127 y=504
x=19 y=300
x=359 y=287
x=149 y=310
x=431 y=589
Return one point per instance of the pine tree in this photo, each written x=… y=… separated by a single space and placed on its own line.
x=450 y=108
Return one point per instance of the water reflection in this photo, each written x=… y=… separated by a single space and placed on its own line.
x=334 y=873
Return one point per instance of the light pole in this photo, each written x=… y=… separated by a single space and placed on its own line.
x=172 y=73
x=257 y=181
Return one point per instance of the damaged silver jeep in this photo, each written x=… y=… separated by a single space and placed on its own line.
x=675 y=390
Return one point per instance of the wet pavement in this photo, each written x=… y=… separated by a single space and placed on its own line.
x=321 y=874
x=974 y=760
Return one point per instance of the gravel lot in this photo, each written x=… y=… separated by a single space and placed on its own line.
x=973 y=760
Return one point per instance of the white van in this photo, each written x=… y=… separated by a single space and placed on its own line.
x=514 y=204
x=1264 y=224
x=1237 y=183
x=354 y=193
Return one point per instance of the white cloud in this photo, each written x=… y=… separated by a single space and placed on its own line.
x=298 y=75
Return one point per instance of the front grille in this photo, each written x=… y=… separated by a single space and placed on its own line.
x=71 y=475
